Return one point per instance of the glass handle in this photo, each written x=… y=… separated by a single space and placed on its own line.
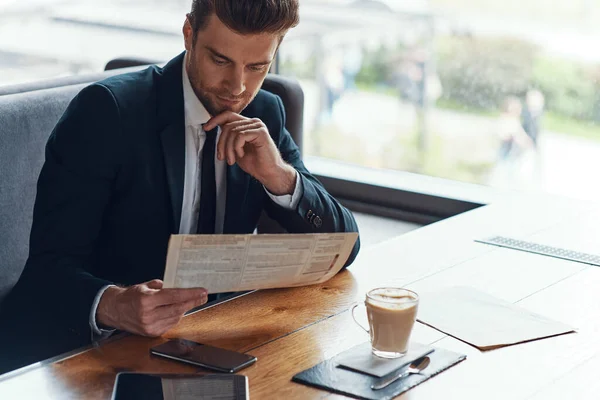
x=354 y=318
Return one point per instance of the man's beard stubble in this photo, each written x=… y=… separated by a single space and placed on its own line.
x=207 y=95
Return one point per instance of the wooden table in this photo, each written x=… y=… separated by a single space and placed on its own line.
x=293 y=329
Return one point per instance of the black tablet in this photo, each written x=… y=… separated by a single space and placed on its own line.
x=130 y=385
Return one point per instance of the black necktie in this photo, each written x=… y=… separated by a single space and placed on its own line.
x=208 y=191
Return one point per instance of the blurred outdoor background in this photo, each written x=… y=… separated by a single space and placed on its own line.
x=499 y=93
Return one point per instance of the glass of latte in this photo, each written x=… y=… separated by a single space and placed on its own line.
x=392 y=313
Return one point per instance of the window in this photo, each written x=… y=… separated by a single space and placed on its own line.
x=504 y=94
x=42 y=39
x=497 y=93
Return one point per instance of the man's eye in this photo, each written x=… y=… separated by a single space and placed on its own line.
x=257 y=68
x=219 y=61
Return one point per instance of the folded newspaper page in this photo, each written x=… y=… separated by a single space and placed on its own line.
x=231 y=263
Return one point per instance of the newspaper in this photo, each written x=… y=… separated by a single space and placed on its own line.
x=231 y=263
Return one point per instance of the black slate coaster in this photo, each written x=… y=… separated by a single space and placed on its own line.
x=361 y=359
x=329 y=376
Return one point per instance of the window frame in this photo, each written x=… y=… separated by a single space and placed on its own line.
x=401 y=195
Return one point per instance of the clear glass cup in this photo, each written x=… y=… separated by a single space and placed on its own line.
x=392 y=313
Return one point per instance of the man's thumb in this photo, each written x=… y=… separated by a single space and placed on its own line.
x=155 y=284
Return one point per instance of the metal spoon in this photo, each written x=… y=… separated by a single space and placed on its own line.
x=414 y=368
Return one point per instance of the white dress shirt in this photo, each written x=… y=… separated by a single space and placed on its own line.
x=195 y=116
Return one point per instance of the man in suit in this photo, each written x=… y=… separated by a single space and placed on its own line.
x=194 y=147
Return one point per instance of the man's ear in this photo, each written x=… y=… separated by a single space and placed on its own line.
x=188 y=35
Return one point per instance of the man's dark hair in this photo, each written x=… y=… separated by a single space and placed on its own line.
x=246 y=16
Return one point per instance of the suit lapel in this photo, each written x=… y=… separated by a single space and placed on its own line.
x=237 y=189
x=171 y=120
x=173 y=146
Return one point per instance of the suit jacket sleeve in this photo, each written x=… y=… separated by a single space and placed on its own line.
x=317 y=211
x=74 y=188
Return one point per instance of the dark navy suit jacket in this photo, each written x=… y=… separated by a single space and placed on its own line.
x=110 y=195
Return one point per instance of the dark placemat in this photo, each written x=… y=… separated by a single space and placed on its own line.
x=329 y=376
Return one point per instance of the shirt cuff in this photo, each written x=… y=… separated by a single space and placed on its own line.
x=98 y=333
x=289 y=201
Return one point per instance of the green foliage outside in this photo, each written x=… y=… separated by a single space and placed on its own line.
x=571 y=89
x=552 y=120
x=481 y=72
x=401 y=154
x=377 y=68
x=477 y=74
x=559 y=123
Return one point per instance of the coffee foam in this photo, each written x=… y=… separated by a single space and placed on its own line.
x=391 y=300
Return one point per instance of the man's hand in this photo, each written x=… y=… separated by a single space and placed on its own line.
x=246 y=141
x=147 y=309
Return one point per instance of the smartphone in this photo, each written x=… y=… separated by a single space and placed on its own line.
x=203 y=355
x=132 y=385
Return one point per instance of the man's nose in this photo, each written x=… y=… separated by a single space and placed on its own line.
x=236 y=82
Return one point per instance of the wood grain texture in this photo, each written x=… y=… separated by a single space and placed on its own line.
x=290 y=330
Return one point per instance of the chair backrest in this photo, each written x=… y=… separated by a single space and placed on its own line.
x=28 y=113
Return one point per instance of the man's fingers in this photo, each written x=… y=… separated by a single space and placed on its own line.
x=165 y=317
x=229 y=149
x=242 y=138
x=229 y=134
x=227 y=120
x=252 y=134
x=227 y=131
x=246 y=128
x=175 y=296
x=222 y=119
x=176 y=310
x=154 y=284
x=234 y=125
x=234 y=137
x=238 y=146
x=221 y=144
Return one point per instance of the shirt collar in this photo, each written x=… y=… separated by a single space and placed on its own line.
x=195 y=112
